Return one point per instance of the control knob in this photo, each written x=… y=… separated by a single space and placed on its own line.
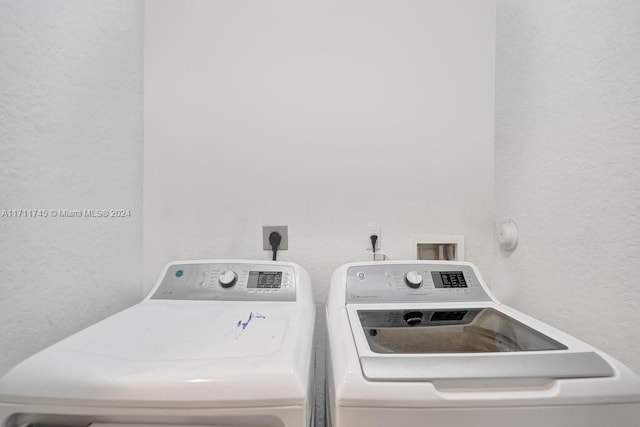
x=227 y=278
x=413 y=279
x=413 y=318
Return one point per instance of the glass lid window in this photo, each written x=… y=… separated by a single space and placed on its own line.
x=483 y=330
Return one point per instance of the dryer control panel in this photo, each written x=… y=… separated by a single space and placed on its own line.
x=227 y=282
x=420 y=282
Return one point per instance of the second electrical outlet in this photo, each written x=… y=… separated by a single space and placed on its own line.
x=374 y=230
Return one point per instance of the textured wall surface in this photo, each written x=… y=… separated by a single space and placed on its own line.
x=70 y=138
x=323 y=116
x=567 y=160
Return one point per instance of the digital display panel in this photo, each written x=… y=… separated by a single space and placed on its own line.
x=448 y=279
x=447 y=316
x=264 y=279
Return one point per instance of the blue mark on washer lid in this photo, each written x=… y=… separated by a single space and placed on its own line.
x=252 y=316
x=179 y=273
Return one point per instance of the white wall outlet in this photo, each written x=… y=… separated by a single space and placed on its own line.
x=374 y=230
x=284 y=232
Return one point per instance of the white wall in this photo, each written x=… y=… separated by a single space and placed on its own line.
x=70 y=138
x=567 y=162
x=323 y=116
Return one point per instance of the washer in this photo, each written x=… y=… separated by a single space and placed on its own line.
x=215 y=343
x=425 y=343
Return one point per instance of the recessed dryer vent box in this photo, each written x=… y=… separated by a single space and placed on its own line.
x=441 y=248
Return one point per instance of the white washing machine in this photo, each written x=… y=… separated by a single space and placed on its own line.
x=418 y=343
x=215 y=343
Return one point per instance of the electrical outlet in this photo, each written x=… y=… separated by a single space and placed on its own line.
x=371 y=230
x=284 y=232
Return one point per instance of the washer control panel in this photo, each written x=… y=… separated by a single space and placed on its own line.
x=227 y=282
x=382 y=283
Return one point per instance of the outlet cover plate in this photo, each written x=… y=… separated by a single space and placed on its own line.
x=284 y=232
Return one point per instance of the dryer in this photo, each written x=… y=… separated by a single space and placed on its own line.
x=215 y=343
x=425 y=343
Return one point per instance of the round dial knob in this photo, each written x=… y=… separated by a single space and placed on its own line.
x=413 y=318
x=413 y=279
x=227 y=278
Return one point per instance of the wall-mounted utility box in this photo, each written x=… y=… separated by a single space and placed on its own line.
x=439 y=247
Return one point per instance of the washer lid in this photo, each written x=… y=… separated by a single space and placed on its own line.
x=166 y=331
x=462 y=343
x=220 y=353
x=458 y=367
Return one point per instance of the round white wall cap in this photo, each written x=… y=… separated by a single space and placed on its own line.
x=508 y=235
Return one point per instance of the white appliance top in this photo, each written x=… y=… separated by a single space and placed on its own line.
x=201 y=337
x=437 y=321
x=409 y=334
